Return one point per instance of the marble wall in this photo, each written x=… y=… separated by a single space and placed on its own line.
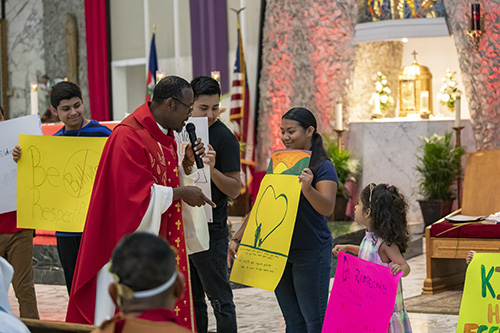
x=25 y=51
x=388 y=152
x=480 y=68
x=385 y=57
x=307 y=60
x=54 y=25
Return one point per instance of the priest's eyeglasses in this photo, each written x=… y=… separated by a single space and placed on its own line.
x=190 y=108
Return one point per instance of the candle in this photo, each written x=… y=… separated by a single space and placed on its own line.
x=34 y=98
x=376 y=103
x=476 y=16
x=159 y=75
x=215 y=75
x=424 y=101
x=338 y=118
x=457 y=110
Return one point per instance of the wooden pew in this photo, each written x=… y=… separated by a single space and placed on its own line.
x=43 y=326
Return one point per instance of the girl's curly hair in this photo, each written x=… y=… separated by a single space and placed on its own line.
x=388 y=213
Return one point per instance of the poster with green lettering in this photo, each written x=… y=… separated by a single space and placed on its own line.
x=480 y=307
x=55 y=177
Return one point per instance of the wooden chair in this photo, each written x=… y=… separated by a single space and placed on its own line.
x=481 y=196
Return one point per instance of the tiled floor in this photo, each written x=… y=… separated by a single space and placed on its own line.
x=257 y=310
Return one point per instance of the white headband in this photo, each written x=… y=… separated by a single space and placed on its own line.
x=157 y=290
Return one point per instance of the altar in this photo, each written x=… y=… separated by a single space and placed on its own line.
x=387 y=150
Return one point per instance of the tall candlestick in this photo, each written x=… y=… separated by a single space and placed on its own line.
x=457 y=110
x=338 y=116
x=34 y=98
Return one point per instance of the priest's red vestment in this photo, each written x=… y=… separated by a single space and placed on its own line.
x=138 y=159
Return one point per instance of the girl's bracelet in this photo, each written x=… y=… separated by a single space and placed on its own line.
x=237 y=240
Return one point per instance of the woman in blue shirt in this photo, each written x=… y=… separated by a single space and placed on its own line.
x=302 y=292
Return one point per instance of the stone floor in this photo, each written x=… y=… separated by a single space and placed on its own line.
x=257 y=310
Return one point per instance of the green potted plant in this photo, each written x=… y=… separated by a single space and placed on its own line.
x=438 y=166
x=340 y=159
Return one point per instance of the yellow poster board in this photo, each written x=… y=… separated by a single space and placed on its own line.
x=480 y=307
x=264 y=248
x=55 y=176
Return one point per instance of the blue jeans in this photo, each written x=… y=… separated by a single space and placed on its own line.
x=302 y=292
x=209 y=275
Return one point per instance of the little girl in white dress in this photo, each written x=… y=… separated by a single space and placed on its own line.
x=382 y=210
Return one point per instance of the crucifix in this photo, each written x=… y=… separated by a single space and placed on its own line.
x=414 y=53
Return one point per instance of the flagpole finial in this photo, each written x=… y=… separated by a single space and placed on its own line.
x=238 y=11
x=154 y=28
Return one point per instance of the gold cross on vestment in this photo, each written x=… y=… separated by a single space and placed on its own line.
x=178 y=241
x=178 y=224
x=178 y=258
x=177 y=309
x=178 y=205
x=176 y=172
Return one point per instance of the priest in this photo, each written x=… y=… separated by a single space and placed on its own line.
x=137 y=188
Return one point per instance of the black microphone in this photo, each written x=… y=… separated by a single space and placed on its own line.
x=190 y=128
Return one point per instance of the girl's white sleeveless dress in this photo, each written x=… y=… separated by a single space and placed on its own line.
x=369 y=251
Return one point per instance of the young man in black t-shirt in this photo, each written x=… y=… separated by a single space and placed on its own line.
x=208 y=268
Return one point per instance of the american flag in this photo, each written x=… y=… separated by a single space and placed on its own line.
x=152 y=69
x=242 y=117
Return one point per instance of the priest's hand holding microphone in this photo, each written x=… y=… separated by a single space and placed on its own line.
x=195 y=152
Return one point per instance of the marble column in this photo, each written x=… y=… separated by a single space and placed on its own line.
x=480 y=68
x=25 y=51
x=308 y=59
x=56 y=61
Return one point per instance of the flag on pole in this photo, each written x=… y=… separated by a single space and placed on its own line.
x=241 y=116
x=152 y=69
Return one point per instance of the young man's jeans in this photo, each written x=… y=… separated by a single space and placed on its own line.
x=209 y=275
x=302 y=292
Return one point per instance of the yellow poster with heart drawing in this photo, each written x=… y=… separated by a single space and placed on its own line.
x=264 y=248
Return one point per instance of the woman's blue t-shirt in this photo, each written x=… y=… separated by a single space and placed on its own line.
x=311 y=228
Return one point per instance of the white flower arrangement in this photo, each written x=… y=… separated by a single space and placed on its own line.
x=383 y=90
x=449 y=89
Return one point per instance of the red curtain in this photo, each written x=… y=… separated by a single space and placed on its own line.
x=97 y=58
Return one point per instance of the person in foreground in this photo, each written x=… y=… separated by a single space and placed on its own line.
x=382 y=210
x=137 y=188
x=302 y=292
x=146 y=286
